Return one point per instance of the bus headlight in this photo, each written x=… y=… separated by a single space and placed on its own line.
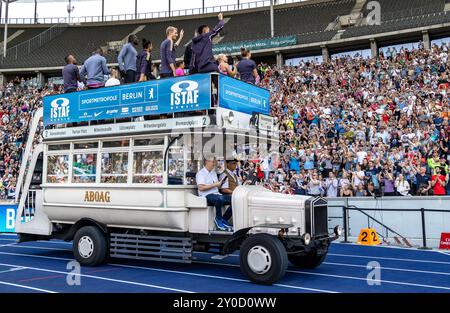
x=337 y=230
x=306 y=238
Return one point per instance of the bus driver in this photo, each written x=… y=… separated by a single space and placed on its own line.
x=208 y=185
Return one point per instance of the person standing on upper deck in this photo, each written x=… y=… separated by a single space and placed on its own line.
x=71 y=74
x=168 y=52
x=204 y=61
x=144 y=62
x=247 y=68
x=95 y=69
x=127 y=59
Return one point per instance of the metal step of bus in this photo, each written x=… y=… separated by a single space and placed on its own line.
x=152 y=248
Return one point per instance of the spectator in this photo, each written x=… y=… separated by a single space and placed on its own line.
x=438 y=181
x=180 y=69
x=144 y=62
x=127 y=59
x=168 y=52
x=247 y=68
x=402 y=186
x=95 y=69
x=204 y=61
x=224 y=67
x=71 y=74
x=113 y=79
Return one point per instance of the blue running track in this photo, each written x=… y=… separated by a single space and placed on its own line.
x=42 y=267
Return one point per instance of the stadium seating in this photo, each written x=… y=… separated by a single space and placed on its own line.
x=308 y=21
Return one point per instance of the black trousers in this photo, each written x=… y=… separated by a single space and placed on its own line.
x=166 y=75
x=130 y=77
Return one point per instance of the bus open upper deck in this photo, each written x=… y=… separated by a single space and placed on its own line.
x=118 y=176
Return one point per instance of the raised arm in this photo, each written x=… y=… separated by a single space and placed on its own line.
x=217 y=28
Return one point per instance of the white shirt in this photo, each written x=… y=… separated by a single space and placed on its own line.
x=205 y=177
x=112 y=82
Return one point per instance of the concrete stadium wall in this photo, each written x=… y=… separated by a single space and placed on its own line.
x=407 y=224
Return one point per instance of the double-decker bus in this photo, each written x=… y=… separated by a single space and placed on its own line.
x=113 y=170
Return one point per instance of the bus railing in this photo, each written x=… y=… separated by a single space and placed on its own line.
x=347 y=208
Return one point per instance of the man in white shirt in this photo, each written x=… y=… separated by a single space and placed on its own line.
x=208 y=186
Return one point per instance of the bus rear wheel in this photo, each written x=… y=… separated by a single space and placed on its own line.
x=263 y=259
x=90 y=246
x=310 y=261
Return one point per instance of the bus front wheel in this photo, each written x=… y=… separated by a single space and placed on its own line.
x=263 y=259
x=90 y=246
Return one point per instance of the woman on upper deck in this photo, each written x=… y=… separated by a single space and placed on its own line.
x=144 y=62
x=247 y=68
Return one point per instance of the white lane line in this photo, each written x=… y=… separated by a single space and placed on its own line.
x=344 y=277
x=26 y=287
x=20 y=246
x=386 y=258
x=362 y=256
x=330 y=263
x=177 y=272
x=101 y=278
x=15 y=269
x=390 y=268
x=217 y=277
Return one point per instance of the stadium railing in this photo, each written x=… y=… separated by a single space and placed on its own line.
x=149 y=15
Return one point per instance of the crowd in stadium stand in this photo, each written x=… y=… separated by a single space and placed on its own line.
x=18 y=101
x=352 y=126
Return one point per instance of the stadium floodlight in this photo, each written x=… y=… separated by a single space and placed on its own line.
x=5 y=36
x=70 y=9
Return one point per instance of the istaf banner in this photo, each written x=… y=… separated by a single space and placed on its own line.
x=179 y=94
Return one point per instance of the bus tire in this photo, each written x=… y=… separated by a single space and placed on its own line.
x=90 y=246
x=310 y=261
x=263 y=259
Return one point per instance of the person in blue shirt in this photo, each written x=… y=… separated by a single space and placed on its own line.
x=144 y=62
x=168 y=52
x=247 y=67
x=95 y=69
x=127 y=59
x=203 y=60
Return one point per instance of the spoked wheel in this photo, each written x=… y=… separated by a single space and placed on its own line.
x=311 y=260
x=90 y=246
x=263 y=259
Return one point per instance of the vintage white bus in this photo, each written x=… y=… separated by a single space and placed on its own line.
x=113 y=170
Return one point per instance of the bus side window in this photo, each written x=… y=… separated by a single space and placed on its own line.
x=176 y=166
x=84 y=168
x=114 y=167
x=148 y=167
x=58 y=169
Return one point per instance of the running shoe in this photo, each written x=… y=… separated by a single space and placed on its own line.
x=219 y=224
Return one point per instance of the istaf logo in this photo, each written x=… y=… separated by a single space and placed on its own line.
x=184 y=93
x=59 y=109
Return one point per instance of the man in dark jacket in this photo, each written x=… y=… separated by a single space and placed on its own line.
x=203 y=57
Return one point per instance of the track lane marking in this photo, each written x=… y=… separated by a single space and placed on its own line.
x=344 y=277
x=100 y=278
x=27 y=287
x=171 y=271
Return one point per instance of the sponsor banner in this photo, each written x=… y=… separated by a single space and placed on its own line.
x=179 y=94
x=127 y=128
x=445 y=241
x=235 y=47
x=265 y=122
x=7 y=218
x=242 y=97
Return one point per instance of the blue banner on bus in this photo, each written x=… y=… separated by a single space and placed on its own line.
x=8 y=218
x=179 y=94
x=242 y=97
